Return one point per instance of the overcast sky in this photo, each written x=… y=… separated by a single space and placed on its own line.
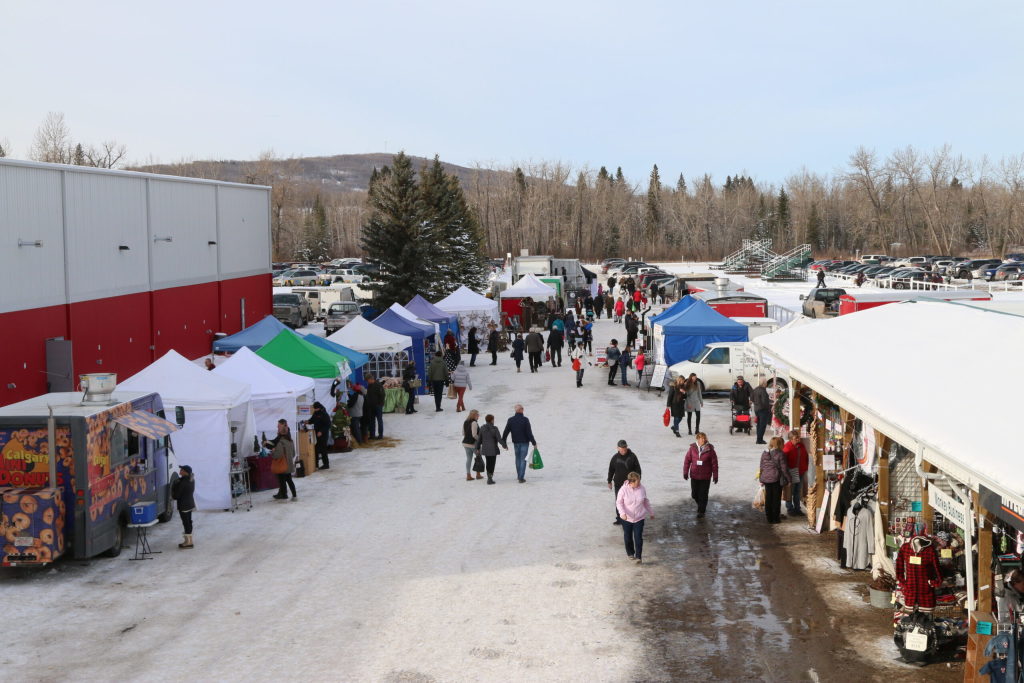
x=765 y=88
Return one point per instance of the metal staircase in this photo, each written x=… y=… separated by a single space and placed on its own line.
x=750 y=257
x=788 y=266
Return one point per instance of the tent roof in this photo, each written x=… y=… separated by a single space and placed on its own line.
x=266 y=379
x=858 y=362
x=529 y=286
x=295 y=354
x=401 y=310
x=179 y=381
x=428 y=311
x=254 y=336
x=699 y=318
x=465 y=299
x=903 y=295
x=355 y=358
x=674 y=309
x=390 y=320
x=362 y=335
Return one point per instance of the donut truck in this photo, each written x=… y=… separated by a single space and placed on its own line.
x=113 y=466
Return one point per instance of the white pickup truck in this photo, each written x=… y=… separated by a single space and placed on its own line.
x=718 y=365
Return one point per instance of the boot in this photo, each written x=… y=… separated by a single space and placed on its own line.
x=187 y=543
x=490 y=479
x=479 y=476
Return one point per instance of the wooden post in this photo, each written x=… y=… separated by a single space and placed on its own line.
x=794 y=405
x=984 y=574
x=882 y=444
x=818 y=455
x=927 y=512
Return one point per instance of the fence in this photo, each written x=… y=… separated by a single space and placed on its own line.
x=781 y=313
x=907 y=283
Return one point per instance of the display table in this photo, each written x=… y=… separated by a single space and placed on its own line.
x=142 y=549
x=260 y=476
x=395 y=400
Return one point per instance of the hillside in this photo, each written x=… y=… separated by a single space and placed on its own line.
x=338 y=173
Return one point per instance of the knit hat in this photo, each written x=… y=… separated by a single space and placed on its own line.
x=186 y=468
x=623 y=444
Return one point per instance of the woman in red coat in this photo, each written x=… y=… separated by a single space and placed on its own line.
x=796 y=460
x=701 y=468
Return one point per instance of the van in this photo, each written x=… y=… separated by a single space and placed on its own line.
x=718 y=365
x=873 y=258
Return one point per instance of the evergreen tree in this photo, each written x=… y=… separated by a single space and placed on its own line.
x=390 y=233
x=681 y=184
x=813 y=236
x=619 y=177
x=783 y=220
x=316 y=241
x=3 y=152
x=763 y=227
x=728 y=183
x=78 y=159
x=654 y=214
x=614 y=237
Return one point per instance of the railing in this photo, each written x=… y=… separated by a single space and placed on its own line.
x=909 y=283
x=784 y=263
x=751 y=250
x=782 y=314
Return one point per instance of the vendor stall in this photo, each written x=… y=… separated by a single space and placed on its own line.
x=293 y=353
x=472 y=309
x=528 y=290
x=425 y=310
x=680 y=336
x=356 y=360
x=252 y=337
x=275 y=393
x=422 y=339
x=388 y=351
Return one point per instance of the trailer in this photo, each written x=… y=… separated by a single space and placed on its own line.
x=113 y=454
x=733 y=304
x=853 y=302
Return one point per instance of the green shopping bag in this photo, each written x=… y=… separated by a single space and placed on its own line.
x=537 y=463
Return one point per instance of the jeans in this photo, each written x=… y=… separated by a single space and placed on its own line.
x=356 y=427
x=472 y=359
x=536 y=360
x=793 y=504
x=470 y=451
x=676 y=419
x=556 y=356
x=186 y=521
x=611 y=373
x=579 y=376
x=521 y=450
x=282 y=481
x=772 y=501
x=699 y=492
x=625 y=374
x=633 y=535
x=438 y=388
x=377 y=420
x=763 y=418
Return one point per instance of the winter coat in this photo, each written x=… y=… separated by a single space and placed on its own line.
x=625 y=359
x=555 y=340
x=774 y=468
x=759 y=399
x=534 y=342
x=437 y=371
x=285 y=448
x=492 y=342
x=632 y=503
x=460 y=377
x=918 y=579
x=620 y=307
x=408 y=375
x=473 y=344
x=599 y=302
x=740 y=396
x=518 y=346
x=374 y=397
x=708 y=459
x=488 y=440
x=640 y=362
x=519 y=427
x=621 y=465
x=449 y=341
x=612 y=353
x=355 y=403
x=183 y=490
x=470 y=432
x=321 y=423
x=575 y=353
x=796 y=456
x=676 y=401
x=694 y=400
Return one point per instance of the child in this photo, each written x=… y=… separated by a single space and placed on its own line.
x=638 y=363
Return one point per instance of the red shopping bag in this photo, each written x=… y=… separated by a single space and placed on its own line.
x=547 y=356
x=667 y=416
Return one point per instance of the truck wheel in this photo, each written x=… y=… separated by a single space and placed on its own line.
x=115 y=549
x=167 y=514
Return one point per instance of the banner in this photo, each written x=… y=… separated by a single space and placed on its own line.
x=868 y=448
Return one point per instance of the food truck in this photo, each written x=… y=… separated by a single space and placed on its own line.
x=113 y=457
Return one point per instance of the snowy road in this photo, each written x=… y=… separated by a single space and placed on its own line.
x=392 y=567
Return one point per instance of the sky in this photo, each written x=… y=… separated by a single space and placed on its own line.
x=766 y=89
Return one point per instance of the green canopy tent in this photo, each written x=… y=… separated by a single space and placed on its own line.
x=293 y=353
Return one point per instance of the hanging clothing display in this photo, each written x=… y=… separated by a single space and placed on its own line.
x=917 y=571
x=859 y=536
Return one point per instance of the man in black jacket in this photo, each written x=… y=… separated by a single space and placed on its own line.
x=740 y=394
x=555 y=343
x=762 y=409
x=623 y=462
x=373 y=407
x=183 y=490
x=320 y=421
x=522 y=436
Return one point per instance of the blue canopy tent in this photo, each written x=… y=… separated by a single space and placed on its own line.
x=428 y=311
x=681 y=336
x=674 y=309
x=419 y=333
x=255 y=336
x=356 y=360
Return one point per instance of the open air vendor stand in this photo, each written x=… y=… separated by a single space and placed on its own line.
x=940 y=461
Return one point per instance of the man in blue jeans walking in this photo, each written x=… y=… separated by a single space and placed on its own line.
x=522 y=436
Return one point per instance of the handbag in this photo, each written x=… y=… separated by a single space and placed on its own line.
x=667 y=416
x=547 y=356
x=451 y=391
x=279 y=466
x=478 y=463
x=536 y=463
x=415 y=383
x=576 y=364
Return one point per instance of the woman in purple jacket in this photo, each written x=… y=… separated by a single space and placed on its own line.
x=701 y=468
x=774 y=476
x=633 y=508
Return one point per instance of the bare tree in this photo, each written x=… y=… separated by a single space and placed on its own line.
x=52 y=143
x=108 y=155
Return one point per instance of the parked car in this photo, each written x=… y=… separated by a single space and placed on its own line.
x=822 y=302
x=717 y=365
x=836 y=265
x=912 y=261
x=1016 y=256
x=632 y=268
x=611 y=264
x=916 y=280
x=880 y=258
x=339 y=315
x=1007 y=271
x=298 y=276
x=292 y=309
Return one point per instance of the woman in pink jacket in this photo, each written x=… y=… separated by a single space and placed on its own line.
x=620 y=309
x=633 y=508
x=701 y=468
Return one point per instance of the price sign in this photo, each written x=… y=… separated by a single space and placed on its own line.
x=918 y=642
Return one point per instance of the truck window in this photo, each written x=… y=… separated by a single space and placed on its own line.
x=118 y=446
x=719 y=356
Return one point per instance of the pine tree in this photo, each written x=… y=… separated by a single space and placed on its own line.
x=654 y=214
x=79 y=156
x=681 y=184
x=390 y=233
x=614 y=237
x=315 y=246
x=813 y=236
x=3 y=152
x=619 y=177
x=783 y=220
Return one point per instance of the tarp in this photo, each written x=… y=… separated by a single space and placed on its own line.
x=252 y=337
x=275 y=392
x=295 y=354
x=436 y=328
x=680 y=336
x=855 y=361
x=362 y=335
x=675 y=309
x=356 y=360
x=213 y=404
x=428 y=311
x=529 y=286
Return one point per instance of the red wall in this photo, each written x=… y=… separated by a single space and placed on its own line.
x=741 y=310
x=116 y=334
x=23 y=350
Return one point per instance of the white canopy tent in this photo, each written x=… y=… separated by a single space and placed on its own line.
x=409 y=315
x=213 y=405
x=895 y=366
x=363 y=336
x=472 y=309
x=529 y=286
x=275 y=393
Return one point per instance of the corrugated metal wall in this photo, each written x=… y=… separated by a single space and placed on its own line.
x=244 y=224
x=186 y=212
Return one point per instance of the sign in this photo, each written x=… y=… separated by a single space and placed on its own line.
x=1009 y=510
x=918 y=642
x=954 y=511
x=658 y=376
x=983 y=628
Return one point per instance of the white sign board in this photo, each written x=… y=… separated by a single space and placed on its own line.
x=954 y=511
x=658 y=376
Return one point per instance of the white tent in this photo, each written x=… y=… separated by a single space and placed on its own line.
x=409 y=315
x=894 y=366
x=363 y=336
x=213 y=405
x=276 y=393
x=472 y=309
x=529 y=286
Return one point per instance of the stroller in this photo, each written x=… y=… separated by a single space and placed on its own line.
x=740 y=419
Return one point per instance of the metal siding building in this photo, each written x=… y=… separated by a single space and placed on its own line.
x=123 y=266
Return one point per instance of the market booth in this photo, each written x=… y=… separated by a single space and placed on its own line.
x=218 y=413
x=387 y=351
x=512 y=299
x=883 y=422
x=425 y=310
x=735 y=304
x=275 y=393
x=680 y=336
x=439 y=329
x=471 y=308
x=356 y=360
x=420 y=334
x=252 y=337
x=293 y=353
